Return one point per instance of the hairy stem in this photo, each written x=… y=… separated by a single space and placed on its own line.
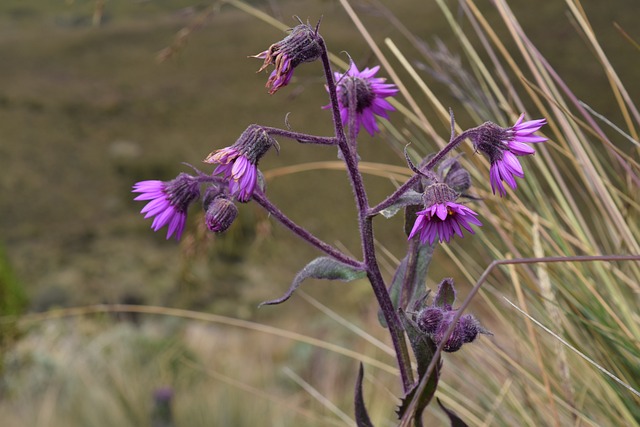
x=304 y=234
x=366 y=233
x=301 y=137
x=390 y=200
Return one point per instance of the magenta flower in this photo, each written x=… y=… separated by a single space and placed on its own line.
x=502 y=145
x=169 y=202
x=369 y=93
x=238 y=170
x=442 y=221
x=442 y=217
x=302 y=45
x=239 y=162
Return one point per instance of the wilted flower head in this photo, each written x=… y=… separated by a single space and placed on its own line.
x=302 y=45
x=442 y=217
x=220 y=212
x=502 y=145
x=434 y=320
x=238 y=163
x=169 y=201
x=369 y=93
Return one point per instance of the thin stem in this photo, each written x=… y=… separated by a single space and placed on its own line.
x=366 y=233
x=390 y=200
x=301 y=137
x=262 y=200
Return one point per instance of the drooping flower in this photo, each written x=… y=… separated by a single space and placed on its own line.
x=239 y=162
x=502 y=145
x=442 y=216
x=220 y=212
x=302 y=45
x=369 y=93
x=169 y=201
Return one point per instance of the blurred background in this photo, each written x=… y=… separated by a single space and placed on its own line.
x=96 y=95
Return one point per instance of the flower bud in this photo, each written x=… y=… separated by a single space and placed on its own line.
x=465 y=331
x=435 y=320
x=454 y=175
x=220 y=214
x=429 y=319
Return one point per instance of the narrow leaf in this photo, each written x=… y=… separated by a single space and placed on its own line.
x=423 y=260
x=456 y=421
x=394 y=289
x=405 y=298
x=362 y=417
x=320 y=268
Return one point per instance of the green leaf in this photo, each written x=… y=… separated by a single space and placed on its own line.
x=416 y=289
x=362 y=417
x=394 y=289
x=320 y=268
x=446 y=294
x=410 y=198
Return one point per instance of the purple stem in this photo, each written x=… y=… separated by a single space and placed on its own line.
x=262 y=200
x=301 y=137
x=366 y=233
x=427 y=168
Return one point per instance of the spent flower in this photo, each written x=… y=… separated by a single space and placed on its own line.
x=239 y=162
x=169 y=201
x=442 y=216
x=302 y=45
x=502 y=145
x=369 y=94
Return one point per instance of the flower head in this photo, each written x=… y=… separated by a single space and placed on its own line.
x=502 y=145
x=434 y=320
x=239 y=162
x=220 y=212
x=369 y=94
x=169 y=201
x=442 y=217
x=302 y=45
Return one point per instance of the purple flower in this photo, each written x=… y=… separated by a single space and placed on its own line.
x=369 y=93
x=238 y=170
x=239 y=162
x=442 y=221
x=302 y=45
x=502 y=145
x=169 y=201
x=442 y=217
